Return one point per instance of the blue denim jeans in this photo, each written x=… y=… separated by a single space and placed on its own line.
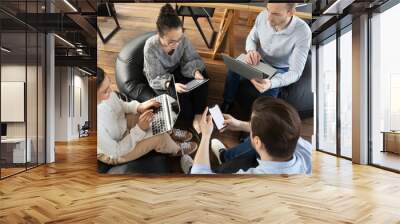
x=244 y=149
x=233 y=81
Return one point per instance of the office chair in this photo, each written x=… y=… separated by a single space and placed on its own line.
x=196 y=13
x=129 y=75
x=84 y=130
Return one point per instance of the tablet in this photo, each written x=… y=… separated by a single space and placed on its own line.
x=217 y=116
x=195 y=83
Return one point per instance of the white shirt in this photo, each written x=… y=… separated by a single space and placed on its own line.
x=287 y=48
x=114 y=140
x=301 y=163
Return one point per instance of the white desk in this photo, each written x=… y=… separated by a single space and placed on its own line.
x=18 y=150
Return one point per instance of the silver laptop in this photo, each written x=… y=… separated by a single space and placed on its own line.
x=238 y=65
x=166 y=115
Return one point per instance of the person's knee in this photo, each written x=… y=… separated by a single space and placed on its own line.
x=167 y=145
x=232 y=76
x=158 y=141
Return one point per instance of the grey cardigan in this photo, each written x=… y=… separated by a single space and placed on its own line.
x=158 y=64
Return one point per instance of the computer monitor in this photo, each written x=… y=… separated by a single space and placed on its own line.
x=3 y=129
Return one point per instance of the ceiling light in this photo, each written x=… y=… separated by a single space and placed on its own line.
x=338 y=6
x=5 y=50
x=64 y=40
x=84 y=71
x=70 y=5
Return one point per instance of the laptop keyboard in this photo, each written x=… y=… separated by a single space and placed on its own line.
x=159 y=125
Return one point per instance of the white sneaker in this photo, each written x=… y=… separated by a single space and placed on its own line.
x=217 y=146
x=186 y=163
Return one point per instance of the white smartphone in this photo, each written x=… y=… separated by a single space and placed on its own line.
x=217 y=116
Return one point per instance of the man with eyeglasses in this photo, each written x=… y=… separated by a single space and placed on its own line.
x=280 y=39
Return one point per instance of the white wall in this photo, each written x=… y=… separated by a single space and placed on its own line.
x=69 y=81
x=61 y=103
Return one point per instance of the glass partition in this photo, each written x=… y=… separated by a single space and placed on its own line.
x=22 y=78
x=327 y=96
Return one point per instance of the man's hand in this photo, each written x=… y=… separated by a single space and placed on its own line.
x=231 y=123
x=180 y=88
x=253 y=57
x=145 y=120
x=261 y=85
x=148 y=105
x=198 y=75
x=206 y=124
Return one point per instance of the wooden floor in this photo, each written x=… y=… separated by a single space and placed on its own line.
x=71 y=191
x=386 y=159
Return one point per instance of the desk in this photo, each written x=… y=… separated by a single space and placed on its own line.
x=13 y=150
x=391 y=141
x=228 y=22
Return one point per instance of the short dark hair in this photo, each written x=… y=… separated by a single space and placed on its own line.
x=167 y=19
x=99 y=77
x=290 y=6
x=277 y=124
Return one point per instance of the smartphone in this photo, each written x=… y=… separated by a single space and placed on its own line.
x=217 y=116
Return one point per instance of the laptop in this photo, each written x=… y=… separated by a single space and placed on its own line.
x=166 y=115
x=238 y=65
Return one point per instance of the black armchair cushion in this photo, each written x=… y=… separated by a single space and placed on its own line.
x=129 y=70
x=299 y=94
x=153 y=162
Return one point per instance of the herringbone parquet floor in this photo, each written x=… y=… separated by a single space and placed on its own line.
x=71 y=191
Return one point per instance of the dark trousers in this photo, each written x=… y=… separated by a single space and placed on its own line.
x=238 y=87
x=193 y=102
x=242 y=156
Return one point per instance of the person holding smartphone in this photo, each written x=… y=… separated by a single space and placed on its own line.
x=274 y=141
x=170 y=53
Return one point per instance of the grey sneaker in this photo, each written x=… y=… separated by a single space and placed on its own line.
x=186 y=148
x=217 y=147
x=181 y=135
x=186 y=163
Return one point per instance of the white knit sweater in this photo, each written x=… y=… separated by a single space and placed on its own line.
x=114 y=140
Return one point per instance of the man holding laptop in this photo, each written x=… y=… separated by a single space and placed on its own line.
x=278 y=38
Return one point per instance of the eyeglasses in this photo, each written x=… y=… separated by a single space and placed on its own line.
x=174 y=42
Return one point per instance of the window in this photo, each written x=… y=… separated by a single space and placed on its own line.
x=327 y=96
x=385 y=87
x=346 y=75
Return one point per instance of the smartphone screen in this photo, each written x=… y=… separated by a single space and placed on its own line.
x=217 y=116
